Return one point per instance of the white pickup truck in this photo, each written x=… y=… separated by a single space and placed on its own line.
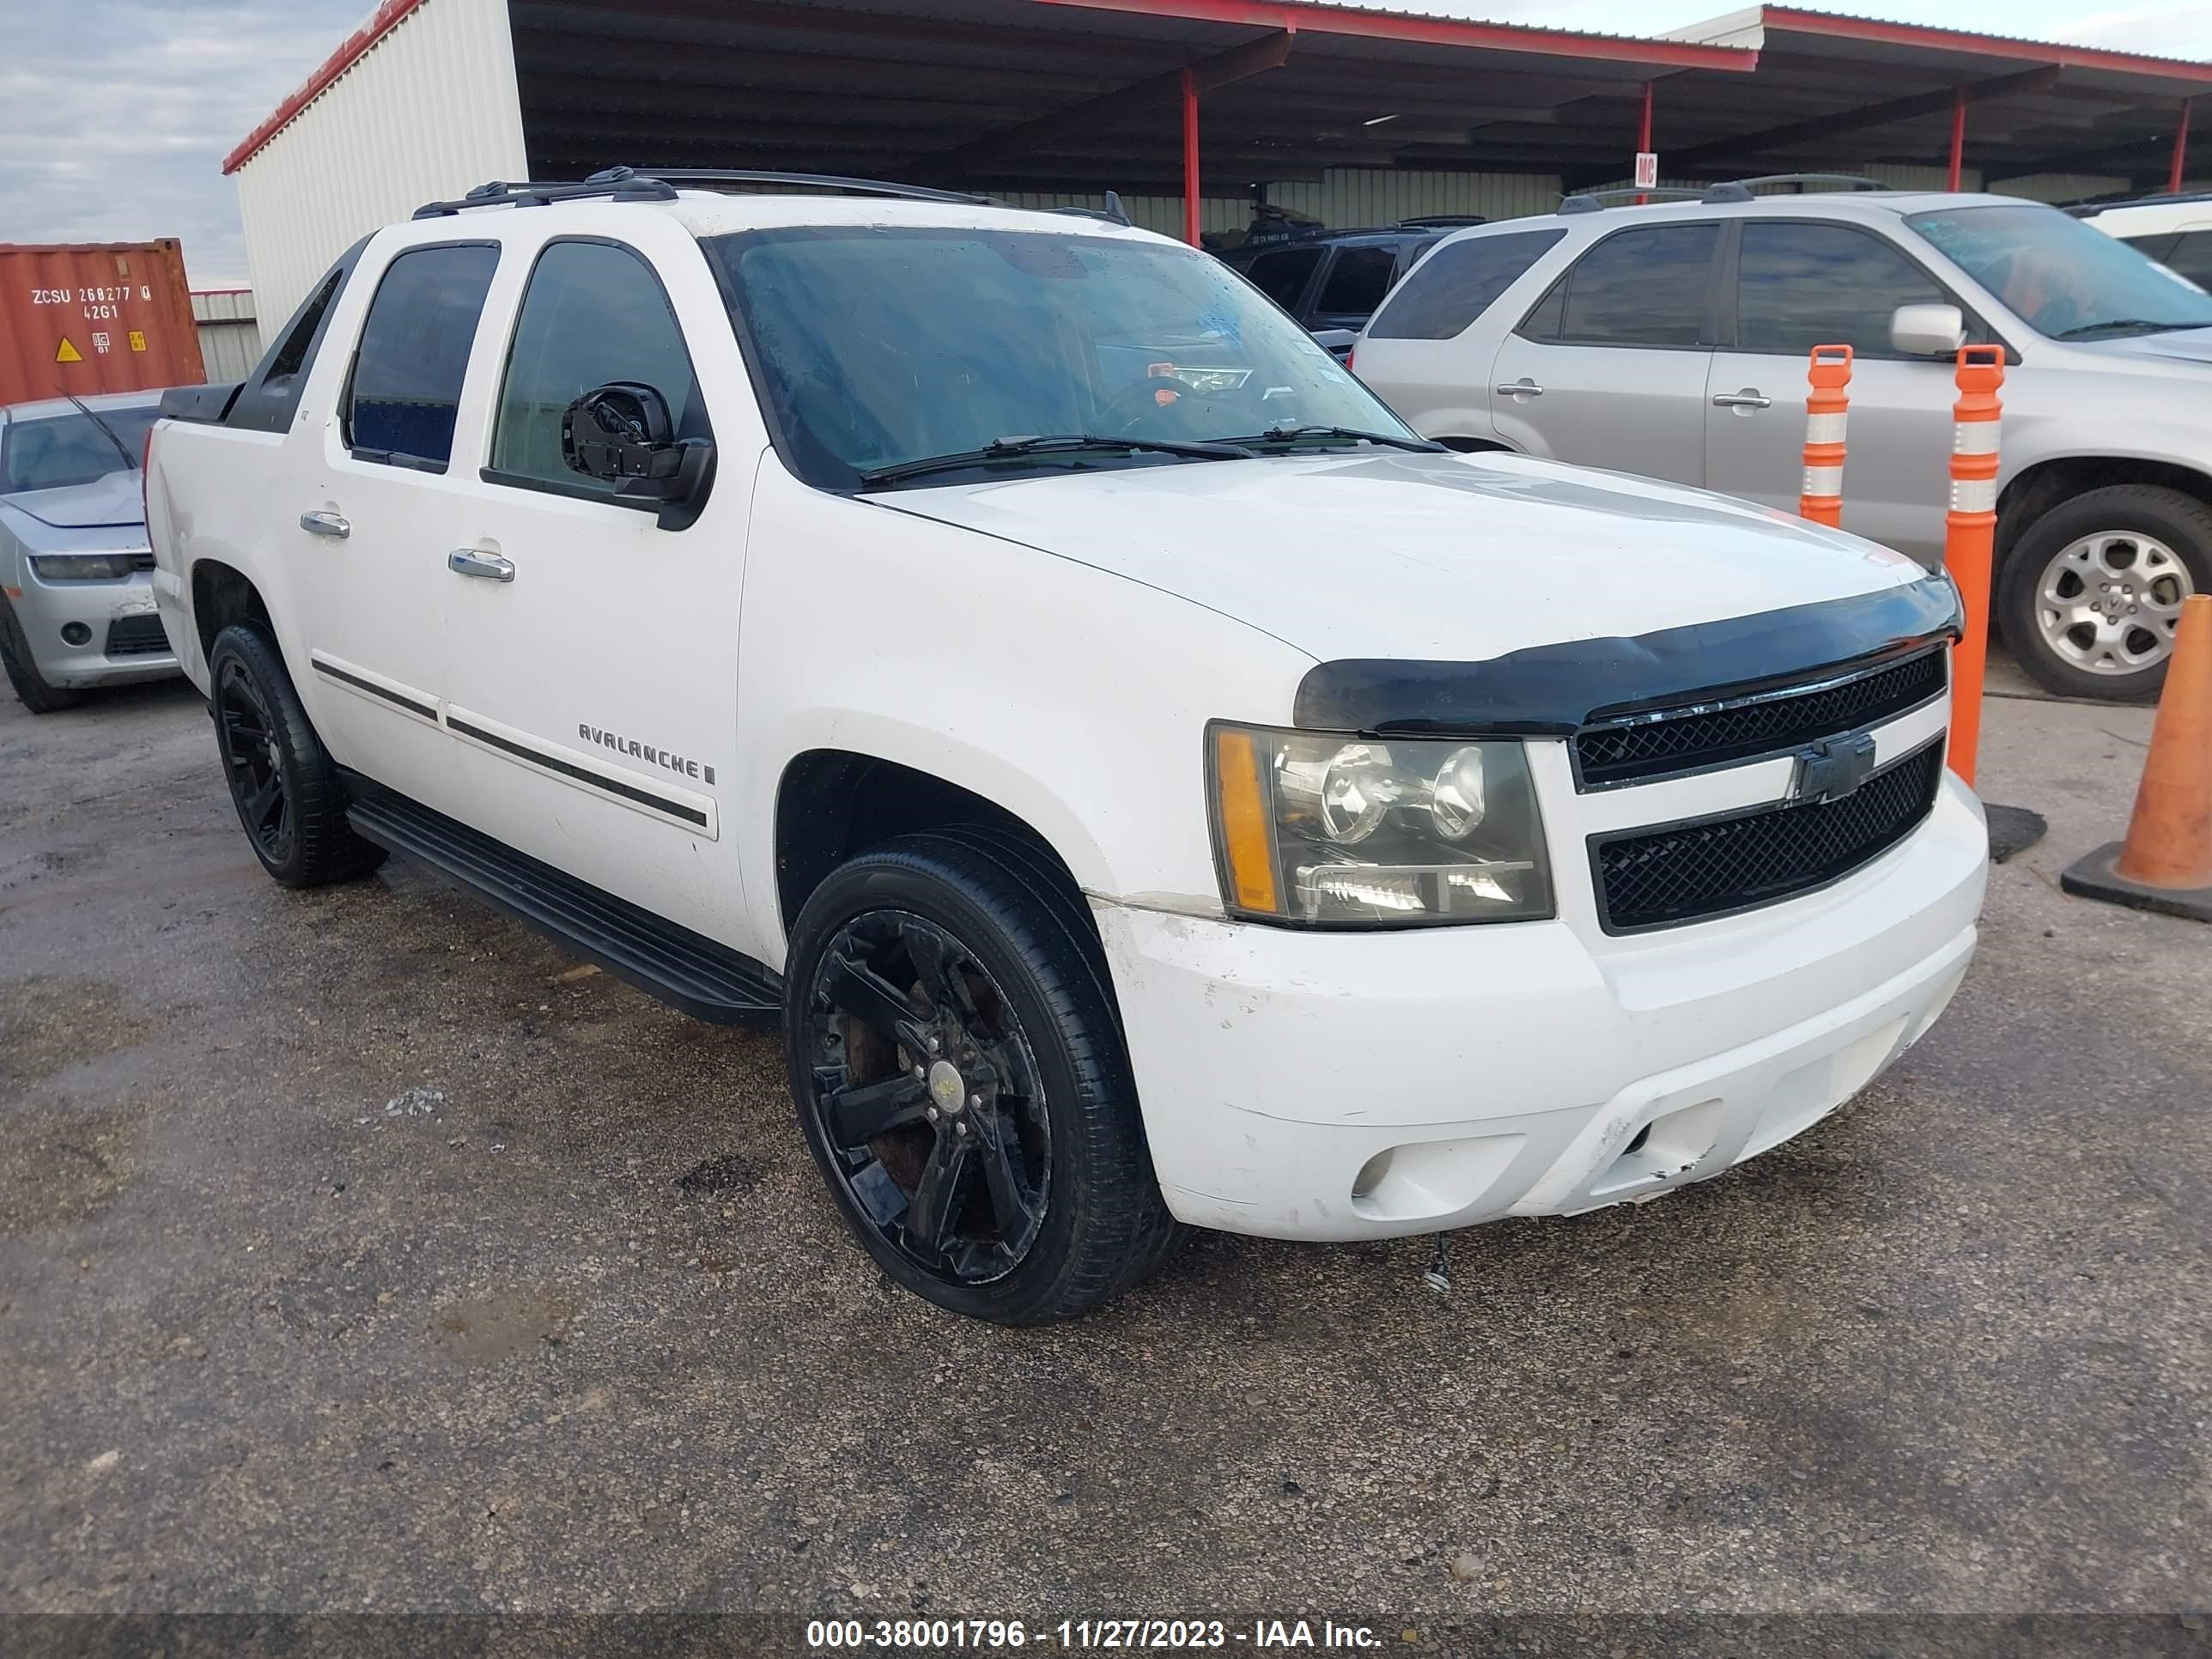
x=1148 y=784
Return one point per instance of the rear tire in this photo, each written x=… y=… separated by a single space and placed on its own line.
x=2126 y=546
x=31 y=686
x=1010 y=1182
x=290 y=797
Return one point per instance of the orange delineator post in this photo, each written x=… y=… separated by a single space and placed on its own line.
x=1827 y=404
x=1970 y=539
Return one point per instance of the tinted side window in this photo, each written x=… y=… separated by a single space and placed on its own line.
x=1457 y=283
x=1799 y=285
x=414 y=354
x=593 y=312
x=1358 y=281
x=2192 y=256
x=2156 y=248
x=1283 y=276
x=1642 y=287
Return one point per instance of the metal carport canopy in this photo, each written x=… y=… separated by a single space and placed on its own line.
x=1076 y=94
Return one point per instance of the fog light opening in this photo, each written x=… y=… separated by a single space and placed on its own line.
x=75 y=633
x=1370 y=1174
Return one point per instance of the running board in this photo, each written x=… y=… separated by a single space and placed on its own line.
x=708 y=980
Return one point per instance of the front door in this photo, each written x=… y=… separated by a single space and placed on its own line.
x=1801 y=284
x=593 y=654
x=370 y=525
x=1609 y=368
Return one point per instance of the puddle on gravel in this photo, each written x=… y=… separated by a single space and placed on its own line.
x=50 y=1022
x=483 y=1330
x=54 y=1172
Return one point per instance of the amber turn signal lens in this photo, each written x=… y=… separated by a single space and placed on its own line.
x=1247 y=840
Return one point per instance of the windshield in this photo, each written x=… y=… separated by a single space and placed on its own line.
x=881 y=346
x=2062 y=277
x=58 y=450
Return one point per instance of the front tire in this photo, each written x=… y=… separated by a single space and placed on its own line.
x=961 y=1079
x=290 y=798
x=23 y=669
x=2091 y=594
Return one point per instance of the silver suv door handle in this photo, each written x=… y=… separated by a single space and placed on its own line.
x=1523 y=387
x=467 y=562
x=326 y=524
x=1749 y=398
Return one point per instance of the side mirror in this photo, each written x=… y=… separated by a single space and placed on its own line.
x=1927 y=330
x=623 y=433
x=1337 y=342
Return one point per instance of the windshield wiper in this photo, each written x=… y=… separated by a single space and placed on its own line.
x=121 y=449
x=1288 y=434
x=2139 y=325
x=1060 y=443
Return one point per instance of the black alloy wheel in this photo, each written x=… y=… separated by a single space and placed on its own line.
x=927 y=1092
x=290 y=795
x=245 y=734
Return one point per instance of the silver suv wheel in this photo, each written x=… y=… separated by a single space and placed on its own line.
x=2108 y=602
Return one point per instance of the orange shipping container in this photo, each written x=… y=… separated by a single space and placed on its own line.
x=95 y=317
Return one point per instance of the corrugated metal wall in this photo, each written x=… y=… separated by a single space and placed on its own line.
x=1344 y=197
x=230 y=334
x=429 y=111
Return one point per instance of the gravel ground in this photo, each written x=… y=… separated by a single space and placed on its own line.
x=359 y=1250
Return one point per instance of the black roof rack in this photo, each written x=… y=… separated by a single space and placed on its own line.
x=2164 y=198
x=1112 y=213
x=1593 y=201
x=1442 y=222
x=1743 y=189
x=498 y=193
x=659 y=184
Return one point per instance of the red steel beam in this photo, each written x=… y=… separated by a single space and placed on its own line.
x=1643 y=133
x=1294 y=16
x=1958 y=136
x=2181 y=153
x=1190 y=158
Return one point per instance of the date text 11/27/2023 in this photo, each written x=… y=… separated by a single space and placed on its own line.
x=1082 y=1635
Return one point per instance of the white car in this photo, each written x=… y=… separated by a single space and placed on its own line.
x=1148 y=784
x=2174 y=230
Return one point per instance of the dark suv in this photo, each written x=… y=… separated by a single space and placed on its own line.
x=1330 y=279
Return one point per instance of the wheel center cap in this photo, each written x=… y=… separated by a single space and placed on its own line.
x=947 y=1088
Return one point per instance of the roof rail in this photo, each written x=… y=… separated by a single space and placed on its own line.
x=1593 y=201
x=2164 y=198
x=1113 y=213
x=1442 y=221
x=1743 y=189
x=711 y=177
x=497 y=193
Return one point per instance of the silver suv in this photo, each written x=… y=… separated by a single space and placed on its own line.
x=1671 y=341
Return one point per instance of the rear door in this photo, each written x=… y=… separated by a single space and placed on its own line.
x=368 y=531
x=593 y=653
x=1608 y=369
x=1799 y=284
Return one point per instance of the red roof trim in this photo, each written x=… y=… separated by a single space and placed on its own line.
x=388 y=16
x=1988 y=46
x=1293 y=15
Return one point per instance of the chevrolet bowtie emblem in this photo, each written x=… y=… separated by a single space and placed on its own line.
x=1832 y=768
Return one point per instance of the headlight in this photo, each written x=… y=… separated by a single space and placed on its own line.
x=82 y=566
x=1324 y=830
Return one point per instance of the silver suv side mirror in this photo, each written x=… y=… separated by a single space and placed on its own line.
x=1926 y=330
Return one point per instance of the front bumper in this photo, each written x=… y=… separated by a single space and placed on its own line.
x=116 y=616
x=1357 y=1085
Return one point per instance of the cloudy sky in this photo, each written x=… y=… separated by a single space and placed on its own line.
x=115 y=115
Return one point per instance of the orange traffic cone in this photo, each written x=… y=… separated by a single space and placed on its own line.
x=2165 y=863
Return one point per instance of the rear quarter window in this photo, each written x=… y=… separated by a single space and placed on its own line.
x=1457 y=283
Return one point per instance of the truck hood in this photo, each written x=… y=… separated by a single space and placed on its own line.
x=113 y=499
x=2191 y=347
x=1418 y=556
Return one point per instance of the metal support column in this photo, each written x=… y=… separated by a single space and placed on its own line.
x=1190 y=158
x=1958 y=137
x=2181 y=153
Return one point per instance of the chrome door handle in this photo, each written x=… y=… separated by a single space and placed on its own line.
x=326 y=524
x=1749 y=398
x=467 y=562
x=1523 y=387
